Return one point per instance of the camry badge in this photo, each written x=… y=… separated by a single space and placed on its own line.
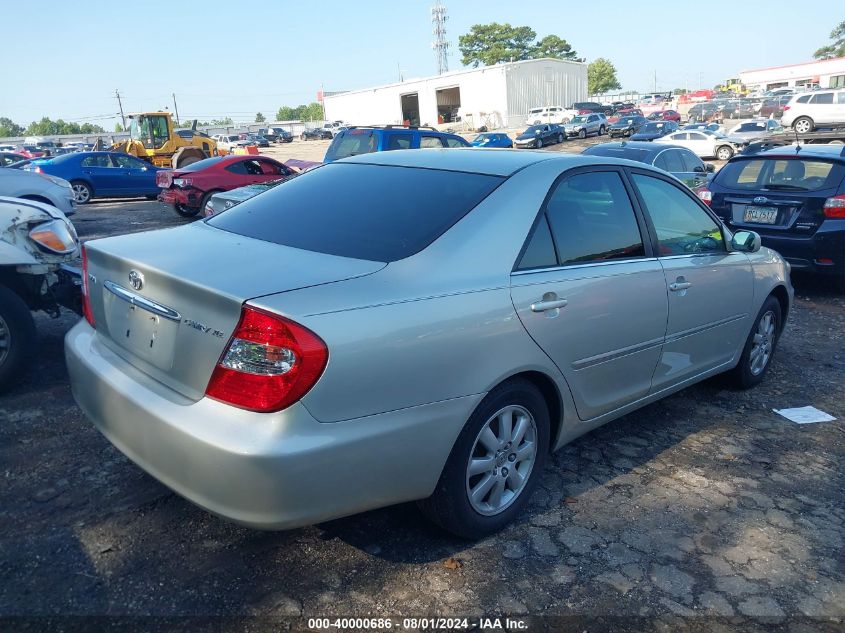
x=136 y=279
x=761 y=200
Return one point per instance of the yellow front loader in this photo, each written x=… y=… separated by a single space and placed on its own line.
x=153 y=138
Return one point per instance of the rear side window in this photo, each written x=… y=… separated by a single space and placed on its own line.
x=781 y=174
x=373 y=212
x=592 y=219
x=540 y=251
x=803 y=99
x=99 y=160
x=672 y=160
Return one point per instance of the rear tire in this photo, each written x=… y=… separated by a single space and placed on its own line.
x=803 y=125
x=724 y=152
x=82 y=192
x=17 y=338
x=759 y=347
x=515 y=477
x=186 y=212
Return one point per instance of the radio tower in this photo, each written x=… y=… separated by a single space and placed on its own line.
x=440 y=44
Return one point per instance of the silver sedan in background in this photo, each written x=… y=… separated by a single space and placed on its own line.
x=413 y=325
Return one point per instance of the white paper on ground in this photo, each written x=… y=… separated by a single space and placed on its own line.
x=805 y=415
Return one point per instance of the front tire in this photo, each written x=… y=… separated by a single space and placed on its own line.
x=495 y=463
x=724 y=152
x=538 y=143
x=803 y=125
x=17 y=337
x=82 y=192
x=601 y=131
x=582 y=133
x=759 y=347
x=560 y=138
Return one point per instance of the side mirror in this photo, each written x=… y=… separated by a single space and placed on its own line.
x=710 y=167
x=699 y=169
x=746 y=241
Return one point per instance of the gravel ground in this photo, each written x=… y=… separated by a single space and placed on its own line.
x=706 y=503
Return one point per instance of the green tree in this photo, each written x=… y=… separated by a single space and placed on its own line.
x=259 y=118
x=226 y=121
x=312 y=112
x=286 y=113
x=9 y=128
x=837 y=48
x=601 y=77
x=553 y=46
x=494 y=43
x=680 y=91
x=118 y=127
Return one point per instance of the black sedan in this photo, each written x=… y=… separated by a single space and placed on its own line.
x=682 y=163
x=538 y=135
x=315 y=134
x=654 y=129
x=627 y=125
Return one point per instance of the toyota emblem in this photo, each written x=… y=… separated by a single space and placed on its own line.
x=136 y=279
x=761 y=200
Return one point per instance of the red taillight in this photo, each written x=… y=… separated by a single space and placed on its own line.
x=270 y=363
x=786 y=107
x=86 y=292
x=835 y=207
x=705 y=195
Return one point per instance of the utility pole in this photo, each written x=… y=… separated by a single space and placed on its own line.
x=120 y=103
x=699 y=79
x=176 y=108
x=655 y=81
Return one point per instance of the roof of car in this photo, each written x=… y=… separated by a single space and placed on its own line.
x=494 y=162
x=640 y=146
x=823 y=151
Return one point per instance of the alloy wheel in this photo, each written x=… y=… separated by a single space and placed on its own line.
x=764 y=343
x=501 y=460
x=81 y=194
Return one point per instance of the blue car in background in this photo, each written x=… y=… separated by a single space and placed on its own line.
x=653 y=130
x=101 y=174
x=492 y=139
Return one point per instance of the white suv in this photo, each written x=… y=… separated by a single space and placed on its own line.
x=549 y=114
x=809 y=110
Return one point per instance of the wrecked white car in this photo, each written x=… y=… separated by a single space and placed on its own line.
x=38 y=244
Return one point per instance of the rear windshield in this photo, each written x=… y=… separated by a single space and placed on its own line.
x=639 y=155
x=781 y=174
x=201 y=164
x=373 y=212
x=351 y=143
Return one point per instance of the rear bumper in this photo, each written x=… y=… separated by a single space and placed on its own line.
x=823 y=252
x=269 y=471
x=184 y=197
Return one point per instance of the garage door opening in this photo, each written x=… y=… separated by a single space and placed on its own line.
x=448 y=104
x=411 y=109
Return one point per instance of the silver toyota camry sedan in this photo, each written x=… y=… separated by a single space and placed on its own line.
x=413 y=325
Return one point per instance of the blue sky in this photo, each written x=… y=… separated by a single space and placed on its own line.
x=240 y=59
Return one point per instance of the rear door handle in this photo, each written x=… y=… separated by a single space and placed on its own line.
x=679 y=285
x=553 y=304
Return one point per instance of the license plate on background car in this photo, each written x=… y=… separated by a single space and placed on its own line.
x=760 y=215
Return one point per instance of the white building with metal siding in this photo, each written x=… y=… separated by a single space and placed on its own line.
x=495 y=96
x=827 y=73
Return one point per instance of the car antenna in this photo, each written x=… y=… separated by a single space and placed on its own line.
x=797 y=141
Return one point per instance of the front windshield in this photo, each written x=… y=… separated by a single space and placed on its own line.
x=579 y=119
x=533 y=129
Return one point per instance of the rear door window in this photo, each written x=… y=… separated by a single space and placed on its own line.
x=398 y=141
x=373 y=212
x=430 y=141
x=455 y=142
x=690 y=160
x=592 y=219
x=824 y=98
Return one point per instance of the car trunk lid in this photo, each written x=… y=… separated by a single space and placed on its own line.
x=167 y=302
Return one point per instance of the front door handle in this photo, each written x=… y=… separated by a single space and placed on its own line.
x=551 y=304
x=679 y=285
